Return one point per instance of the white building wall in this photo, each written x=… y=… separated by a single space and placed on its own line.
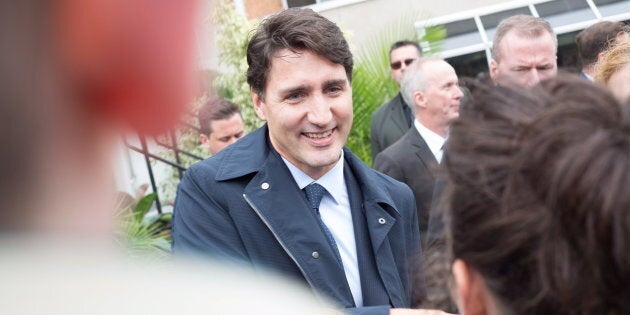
x=367 y=18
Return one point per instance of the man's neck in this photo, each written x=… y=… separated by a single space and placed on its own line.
x=441 y=130
x=589 y=70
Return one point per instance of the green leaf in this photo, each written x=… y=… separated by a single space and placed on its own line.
x=143 y=206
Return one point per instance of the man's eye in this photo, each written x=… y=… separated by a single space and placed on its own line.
x=294 y=96
x=334 y=89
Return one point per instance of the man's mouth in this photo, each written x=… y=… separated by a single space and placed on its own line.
x=319 y=135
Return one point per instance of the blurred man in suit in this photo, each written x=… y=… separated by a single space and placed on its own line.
x=392 y=119
x=221 y=124
x=595 y=40
x=430 y=86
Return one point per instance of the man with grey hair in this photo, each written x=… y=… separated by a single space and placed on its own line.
x=430 y=87
x=524 y=51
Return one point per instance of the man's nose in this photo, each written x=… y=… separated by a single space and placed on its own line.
x=403 y=66
x=533 y=78
x=319 y=111
x=459 y=94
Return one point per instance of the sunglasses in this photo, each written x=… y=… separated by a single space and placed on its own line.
x=396 y=65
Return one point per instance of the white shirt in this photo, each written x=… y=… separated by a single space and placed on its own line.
x=334 y=210
x=588 y=76
x=433 y=140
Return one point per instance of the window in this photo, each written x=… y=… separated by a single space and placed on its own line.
x=491 y=21
x=565 y=12
x=461 y=33
x=470 y=33
x=609 y=8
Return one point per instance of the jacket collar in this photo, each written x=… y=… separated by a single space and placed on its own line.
x=297 y=228
x=423 y=152
x=246 y=156
x=249 y=155
x=368 y=179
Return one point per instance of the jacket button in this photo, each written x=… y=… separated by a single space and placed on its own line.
x=381 y=221
x=264 y=186
x=315 y=255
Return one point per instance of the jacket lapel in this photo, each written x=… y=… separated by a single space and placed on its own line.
x=398 y=113
x=381 y=215
x=422 y=150
x=282 y=206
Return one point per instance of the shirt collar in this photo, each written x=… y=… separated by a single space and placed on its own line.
x=433 y=140
x=333 y=180
x=588 y=76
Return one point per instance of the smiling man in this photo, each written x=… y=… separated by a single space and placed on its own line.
x=289 y=196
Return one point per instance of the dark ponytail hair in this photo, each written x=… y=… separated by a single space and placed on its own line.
x=539 y=197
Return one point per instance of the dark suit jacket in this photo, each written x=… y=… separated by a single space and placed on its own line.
x=389 y=123
x=410 y=161
x=244 y=203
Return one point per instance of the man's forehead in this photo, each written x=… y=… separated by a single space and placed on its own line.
x=527 y=47
x=515 y=38
x=436 y=67
x=288 y=76
x=438 y=72
x=405 y=52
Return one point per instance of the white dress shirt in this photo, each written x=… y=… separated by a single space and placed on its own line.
x=335 y=212
x=433 y=140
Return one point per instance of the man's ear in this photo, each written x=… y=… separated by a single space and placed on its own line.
x=494 y=68
x=472 y=296
x=622 y=36
x=600 y=55
x=420 y=99
x=204 y=141
x=258 y=105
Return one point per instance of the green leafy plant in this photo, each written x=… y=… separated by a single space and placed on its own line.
x=371 y=81
x=142 y=233
x=232 y=39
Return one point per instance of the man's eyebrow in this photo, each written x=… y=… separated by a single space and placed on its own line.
x=335 y=82
x=294 y=89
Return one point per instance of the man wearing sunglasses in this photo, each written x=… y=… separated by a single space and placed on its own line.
x=392 y=119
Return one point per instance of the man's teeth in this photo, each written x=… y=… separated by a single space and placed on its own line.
x=318 y=135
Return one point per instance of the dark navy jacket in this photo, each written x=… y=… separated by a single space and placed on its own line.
x=244 y=203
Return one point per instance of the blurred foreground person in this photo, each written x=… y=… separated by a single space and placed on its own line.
x=74 y=76
x=538 y=216
x=614 y=70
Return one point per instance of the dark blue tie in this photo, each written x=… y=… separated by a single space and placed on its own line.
x=314 y=193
